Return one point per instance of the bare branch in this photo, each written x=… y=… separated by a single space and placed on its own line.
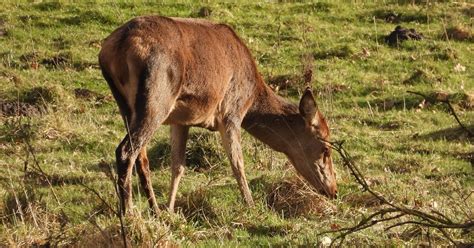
x=450 y=106
x=437 y=220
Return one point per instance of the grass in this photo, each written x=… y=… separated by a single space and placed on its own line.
x=413 y=152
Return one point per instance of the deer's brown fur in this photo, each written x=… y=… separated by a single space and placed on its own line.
x=188 y=72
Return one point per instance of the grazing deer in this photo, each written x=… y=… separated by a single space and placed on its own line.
x=189 y=72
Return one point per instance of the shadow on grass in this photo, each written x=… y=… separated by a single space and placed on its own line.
x=389 y=103
x=450 y=134
x=203 y=151
x=55 y=179
x=265 y=230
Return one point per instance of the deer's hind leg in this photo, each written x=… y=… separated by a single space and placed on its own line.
x=154 y=101
x=143 y=169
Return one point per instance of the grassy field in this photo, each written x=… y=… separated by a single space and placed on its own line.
x=60 y=126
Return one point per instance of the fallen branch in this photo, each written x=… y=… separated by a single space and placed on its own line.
x=450 y=106
x=394 y=211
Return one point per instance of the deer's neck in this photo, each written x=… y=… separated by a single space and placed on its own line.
x=270 y=119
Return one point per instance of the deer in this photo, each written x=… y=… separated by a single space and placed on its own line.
x=186 y=72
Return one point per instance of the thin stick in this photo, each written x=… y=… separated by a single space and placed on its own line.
x=439 y=221
x=450 y=106
x=120 y=212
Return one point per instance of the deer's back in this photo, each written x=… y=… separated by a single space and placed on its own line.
x=208 y=67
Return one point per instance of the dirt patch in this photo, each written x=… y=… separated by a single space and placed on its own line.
x=40 y=95
x=458 y=33
x=32 y=102
x=401 y=34
x=468 y=101
x=204 y=12
x=92 y=96
x=17 y=108
x=293 y=198
x=60 y=60
x=462 y=99
x=3 y=30
x=362 y=200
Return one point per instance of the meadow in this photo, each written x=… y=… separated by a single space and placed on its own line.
x=59 y=126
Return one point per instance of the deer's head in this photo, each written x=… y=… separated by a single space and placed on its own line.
x=310 y=155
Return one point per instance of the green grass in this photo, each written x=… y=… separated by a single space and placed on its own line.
x=415 y=155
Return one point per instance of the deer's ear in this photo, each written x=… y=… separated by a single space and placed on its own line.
x=308 y=107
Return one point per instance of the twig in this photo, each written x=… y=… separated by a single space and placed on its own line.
x=450 y=106
x=100 y=197
x=120 y=212
x=38 y=168
x=439 y=221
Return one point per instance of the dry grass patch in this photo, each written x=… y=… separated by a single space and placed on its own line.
x=196 y=206
x=293 y=198
x=366 y=200
x=458 y=33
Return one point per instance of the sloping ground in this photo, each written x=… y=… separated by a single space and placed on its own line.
x=60 y=126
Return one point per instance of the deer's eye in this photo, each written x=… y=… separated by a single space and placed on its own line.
x=326 y=151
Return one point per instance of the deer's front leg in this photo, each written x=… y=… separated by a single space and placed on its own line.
x=179 y=135
x=230 y=133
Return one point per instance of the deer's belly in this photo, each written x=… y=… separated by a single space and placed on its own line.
x=192 y=112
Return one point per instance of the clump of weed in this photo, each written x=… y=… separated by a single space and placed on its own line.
x=404 y=165
x=61 y=43
x=467 y=101
x=446 y=54
x=59 y=60
x=89 y=16
x=40 y=95
x=292 y=198
x=48 y=6
x=341 y=52
x=458 y=33
x=30 y=59
x=312 y=7
x=196 y=206
x=421 y=76
x=332 y=88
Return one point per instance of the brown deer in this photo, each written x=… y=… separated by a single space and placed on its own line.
x=190 y=72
